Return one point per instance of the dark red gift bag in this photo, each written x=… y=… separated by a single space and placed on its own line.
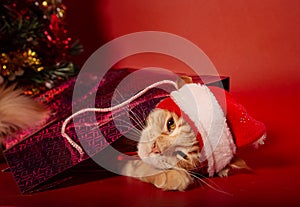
x=42 y=158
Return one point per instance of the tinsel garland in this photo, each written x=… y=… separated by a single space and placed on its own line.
x=35 y=48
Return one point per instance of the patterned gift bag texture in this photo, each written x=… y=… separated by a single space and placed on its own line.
x=37 y=156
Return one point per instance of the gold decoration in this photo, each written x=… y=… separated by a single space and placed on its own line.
x=45 y=3
x=60 y=12
x=14 y=63
x=54 y=7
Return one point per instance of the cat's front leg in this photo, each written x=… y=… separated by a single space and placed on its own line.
x=170 y=180
x=165 y=179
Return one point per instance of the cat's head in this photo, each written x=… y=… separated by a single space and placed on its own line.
x=168 y=140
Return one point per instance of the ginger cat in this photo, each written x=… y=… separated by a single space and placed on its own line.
x=169 y=152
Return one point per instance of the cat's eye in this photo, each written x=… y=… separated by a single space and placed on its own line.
x=171 y=124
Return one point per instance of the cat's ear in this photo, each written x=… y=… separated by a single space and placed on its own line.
x=183 y=80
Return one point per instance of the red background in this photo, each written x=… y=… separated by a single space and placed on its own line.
x=254 y=42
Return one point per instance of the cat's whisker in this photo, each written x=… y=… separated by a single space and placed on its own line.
x=209 y=183
x=132 y=129
x=129 y=124
x=138 y=124
x=144 y=115
x=132 y=136
x=138 y=132
x=122 y=97
x=137 y=120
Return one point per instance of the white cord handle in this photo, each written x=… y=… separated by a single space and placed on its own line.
x=65 y=123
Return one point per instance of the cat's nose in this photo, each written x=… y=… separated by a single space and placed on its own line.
x=155 y=148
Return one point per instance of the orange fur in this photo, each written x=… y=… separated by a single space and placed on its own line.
x=159 y=164
x=163 y=167
x=18 y=111
x=170 y=158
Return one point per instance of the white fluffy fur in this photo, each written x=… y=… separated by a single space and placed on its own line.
x=18 y=111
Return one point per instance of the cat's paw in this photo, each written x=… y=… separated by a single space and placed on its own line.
x=224 y=172
x=171 y=180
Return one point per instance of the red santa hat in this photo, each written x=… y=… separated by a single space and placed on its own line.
x=221 y=124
